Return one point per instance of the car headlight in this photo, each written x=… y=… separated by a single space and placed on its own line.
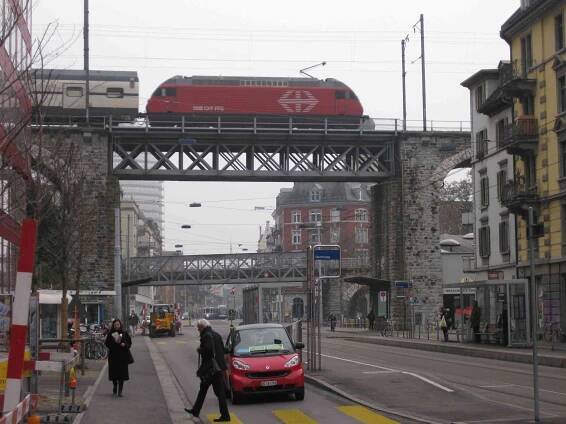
x=295 y=360
x=239 y=365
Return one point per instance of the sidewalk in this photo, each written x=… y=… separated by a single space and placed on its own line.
x=143 y=400
x=547 y=357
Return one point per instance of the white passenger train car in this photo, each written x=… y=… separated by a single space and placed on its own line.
x=61 y=93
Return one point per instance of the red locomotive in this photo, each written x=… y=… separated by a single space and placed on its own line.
x=253 y=96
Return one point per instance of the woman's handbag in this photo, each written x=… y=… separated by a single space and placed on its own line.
x=130 y=358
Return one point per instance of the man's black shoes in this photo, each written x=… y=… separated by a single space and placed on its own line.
x=190 y=411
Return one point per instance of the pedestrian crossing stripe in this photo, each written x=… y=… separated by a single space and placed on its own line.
x=364 y=415
x=180 y=342
x=233 y=418
x=293 y=416
x=161 y=343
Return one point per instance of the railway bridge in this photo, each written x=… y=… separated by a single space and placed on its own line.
x=407 y=168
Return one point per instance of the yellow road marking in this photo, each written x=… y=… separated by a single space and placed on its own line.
x=180 y=342
x=364 y=415
x=233 y=418
x=161 y=343
x=293 y=416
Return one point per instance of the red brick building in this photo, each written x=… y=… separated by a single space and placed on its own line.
x=323 y=213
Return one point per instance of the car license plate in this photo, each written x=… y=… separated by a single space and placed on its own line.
x=269 y=383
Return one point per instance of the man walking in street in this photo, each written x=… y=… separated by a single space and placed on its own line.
x=211 y=370
x=475 y=319
x=133 y=322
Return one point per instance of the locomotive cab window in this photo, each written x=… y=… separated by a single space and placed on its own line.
x=74 y=91
x=165 y=92
x=114 y=92
x=340 y=94
x=352 y=95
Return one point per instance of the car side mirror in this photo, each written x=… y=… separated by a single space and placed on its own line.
x=299 y=345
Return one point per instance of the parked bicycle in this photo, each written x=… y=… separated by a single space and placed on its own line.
x=95 y=348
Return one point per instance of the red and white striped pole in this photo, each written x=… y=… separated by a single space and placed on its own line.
x=20 y=312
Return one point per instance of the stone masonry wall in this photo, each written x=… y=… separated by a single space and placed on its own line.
x=406 y=217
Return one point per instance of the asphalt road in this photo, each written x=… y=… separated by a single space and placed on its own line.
x=319 y=406
x=442 y=387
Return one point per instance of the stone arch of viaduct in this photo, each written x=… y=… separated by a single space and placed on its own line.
x=405 y=219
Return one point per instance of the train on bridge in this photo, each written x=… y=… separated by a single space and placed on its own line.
x=62 y=93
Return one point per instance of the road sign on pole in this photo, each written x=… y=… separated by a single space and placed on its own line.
x=403 y=284
x=327 y=261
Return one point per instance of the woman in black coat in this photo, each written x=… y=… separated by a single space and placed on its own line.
x=118 y=342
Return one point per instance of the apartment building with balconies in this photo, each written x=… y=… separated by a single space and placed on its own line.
x=536 y=84
x=492 y=170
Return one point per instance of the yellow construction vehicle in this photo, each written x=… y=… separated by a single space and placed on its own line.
x=162 y=320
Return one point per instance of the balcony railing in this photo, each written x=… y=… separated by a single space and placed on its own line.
x=517 y=196
x=515 y=81
x=521 y=136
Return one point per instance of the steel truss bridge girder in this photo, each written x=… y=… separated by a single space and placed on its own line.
x=240 y=268
x=204 y=156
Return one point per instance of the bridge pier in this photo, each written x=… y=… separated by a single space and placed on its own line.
x=406 y=234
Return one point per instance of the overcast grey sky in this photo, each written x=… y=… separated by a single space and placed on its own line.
x=360 y=40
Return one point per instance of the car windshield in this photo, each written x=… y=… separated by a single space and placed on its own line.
x=261 y=341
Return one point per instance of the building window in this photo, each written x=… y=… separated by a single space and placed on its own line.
x=335 y=235
x=335 y=215
x=504 y=245
x=526 y=54
x=361 y=235
x=315 y=195
x=361 y=215
x=500 y=131
x=481 y=143
x=559 y=32
x=562 y=94
x=296 y=217
x=296 y=236
x=315 y=215
x=501 y=180
x=484 y=190
x=484 y=246
x=480 y=96
x=314 y=236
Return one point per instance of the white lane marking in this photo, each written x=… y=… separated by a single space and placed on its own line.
x=426 y=380
x=522 y=387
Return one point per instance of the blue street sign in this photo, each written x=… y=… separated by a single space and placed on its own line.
x=403 y=284
x=327 y=255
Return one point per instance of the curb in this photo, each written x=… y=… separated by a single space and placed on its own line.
x=89 y=394
x=174 y=396
x=330 y=388
x=550 y=361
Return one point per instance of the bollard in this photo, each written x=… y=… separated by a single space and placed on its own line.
x=72 y=384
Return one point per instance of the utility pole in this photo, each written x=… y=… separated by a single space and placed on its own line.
x=86 y=61
x=117 y=266
x=403 y=75
x=423 y=77
x=534 y=314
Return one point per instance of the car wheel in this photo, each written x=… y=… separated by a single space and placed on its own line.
x=300 y=394
x=235 y=397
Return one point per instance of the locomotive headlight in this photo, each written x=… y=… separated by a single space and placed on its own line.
x=292 y=362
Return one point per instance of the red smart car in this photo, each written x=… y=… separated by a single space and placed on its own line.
x=263 y=359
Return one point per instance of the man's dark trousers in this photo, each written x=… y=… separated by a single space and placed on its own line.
x=219 y=388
